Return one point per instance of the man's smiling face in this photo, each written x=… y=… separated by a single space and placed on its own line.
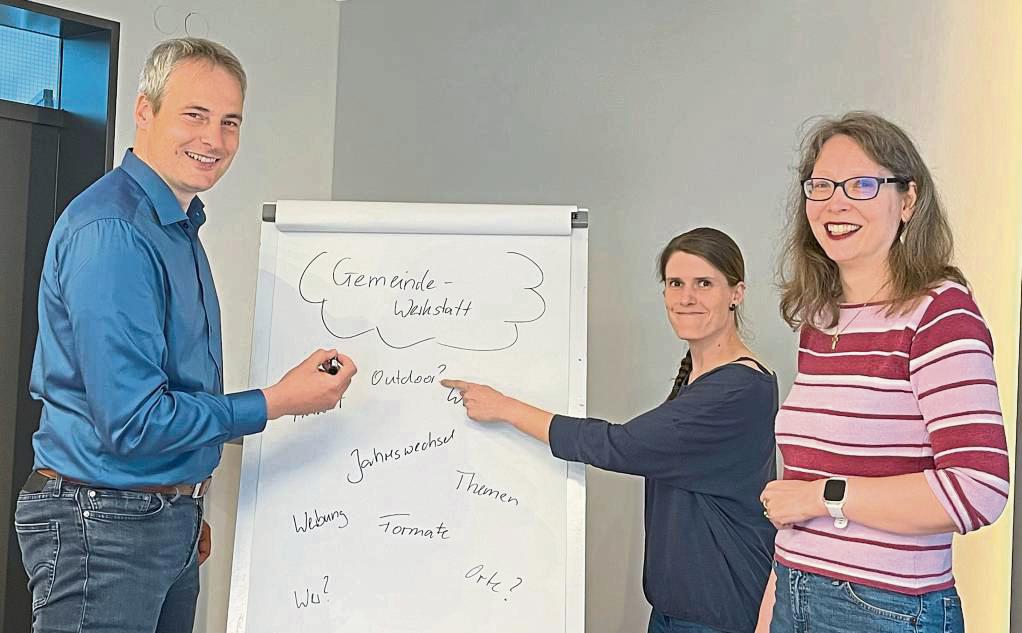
x=192 y=138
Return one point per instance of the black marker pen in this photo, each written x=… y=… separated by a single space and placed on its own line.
x=331 y=367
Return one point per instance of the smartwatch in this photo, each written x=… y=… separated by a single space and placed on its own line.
x=834 y=498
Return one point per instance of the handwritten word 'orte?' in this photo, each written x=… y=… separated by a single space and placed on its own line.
x=489 y=579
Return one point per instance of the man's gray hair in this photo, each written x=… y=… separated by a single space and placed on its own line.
x=169 y=53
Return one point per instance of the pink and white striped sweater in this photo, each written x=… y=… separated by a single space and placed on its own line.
x=902 y=394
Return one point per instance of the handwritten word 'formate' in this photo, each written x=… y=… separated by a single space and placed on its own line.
x=395 y=525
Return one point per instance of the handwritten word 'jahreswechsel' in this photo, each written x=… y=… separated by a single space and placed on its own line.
x=383 y=456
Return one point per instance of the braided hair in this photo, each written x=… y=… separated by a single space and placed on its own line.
x=682 y=378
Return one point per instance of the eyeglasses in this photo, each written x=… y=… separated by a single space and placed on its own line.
x=857 y=188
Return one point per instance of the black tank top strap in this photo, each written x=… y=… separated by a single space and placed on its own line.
x=758 y=364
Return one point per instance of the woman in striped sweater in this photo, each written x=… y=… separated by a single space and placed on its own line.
x=892 y=437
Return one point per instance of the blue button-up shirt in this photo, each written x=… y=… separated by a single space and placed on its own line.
x=128 y=363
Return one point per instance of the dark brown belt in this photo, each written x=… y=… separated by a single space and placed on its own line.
x=195 y=491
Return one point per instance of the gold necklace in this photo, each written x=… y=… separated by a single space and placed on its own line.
x=837 y=335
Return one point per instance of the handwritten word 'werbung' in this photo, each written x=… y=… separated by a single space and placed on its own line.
x=317 y=520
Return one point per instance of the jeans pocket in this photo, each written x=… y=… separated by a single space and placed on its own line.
x=119 y=505
x=885 y=604
x=40 y=547
x=954 y=622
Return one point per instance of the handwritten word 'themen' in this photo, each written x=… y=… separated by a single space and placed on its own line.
x=467 y=483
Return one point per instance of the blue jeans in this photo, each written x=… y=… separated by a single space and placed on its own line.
x=810 y=603
x=106 y=561
x=660 y=623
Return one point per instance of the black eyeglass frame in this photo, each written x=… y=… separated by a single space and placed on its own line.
x=880 y=181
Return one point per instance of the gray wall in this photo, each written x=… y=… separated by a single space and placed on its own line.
x=658 y=116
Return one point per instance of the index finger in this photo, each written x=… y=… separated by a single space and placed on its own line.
x=455 y=384
x=320 y=356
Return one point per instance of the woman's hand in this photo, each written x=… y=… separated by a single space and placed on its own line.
x=786 y=502
x=485 y=404
x=482 y=402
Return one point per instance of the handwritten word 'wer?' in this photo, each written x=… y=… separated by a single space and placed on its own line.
x=407 y=304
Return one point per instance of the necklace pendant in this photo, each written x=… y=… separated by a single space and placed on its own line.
x=833 y=342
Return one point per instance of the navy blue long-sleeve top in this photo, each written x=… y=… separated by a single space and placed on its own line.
x=706 y=456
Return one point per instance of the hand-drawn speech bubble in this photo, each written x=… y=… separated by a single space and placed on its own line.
x=477 y=307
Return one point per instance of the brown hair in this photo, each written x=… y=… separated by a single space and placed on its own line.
x=920 y=256
x=717 y=248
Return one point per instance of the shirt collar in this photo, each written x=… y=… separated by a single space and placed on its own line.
x=167 y=208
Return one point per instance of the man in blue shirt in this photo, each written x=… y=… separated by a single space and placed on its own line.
x=129 y=368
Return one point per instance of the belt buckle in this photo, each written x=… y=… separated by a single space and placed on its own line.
x=199 y=489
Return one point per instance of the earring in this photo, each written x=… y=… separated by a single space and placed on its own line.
x=733 y=307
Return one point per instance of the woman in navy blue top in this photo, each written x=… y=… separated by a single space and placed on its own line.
x=706 y=452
